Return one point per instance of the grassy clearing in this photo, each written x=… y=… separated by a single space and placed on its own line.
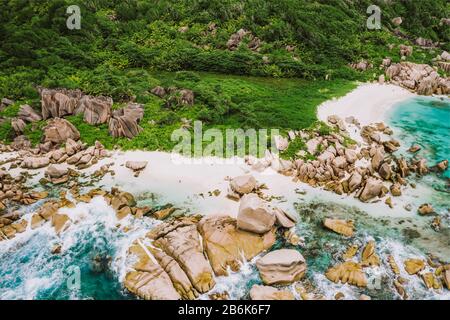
x=222 y=102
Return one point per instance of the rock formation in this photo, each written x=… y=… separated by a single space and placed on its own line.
x=413 y=266
x=226 y=245
x=28 y=114
x=418 y=77
x=236 y=39
x=258 y=292
x=57 y=103
x=125 y=121
x=136 y=166
x=255 y=215
x=243 y=184
x=348 y=272
x=57 y=131
x=339 y=226
x=180 y=240
x=282 y=266
x=95 y=110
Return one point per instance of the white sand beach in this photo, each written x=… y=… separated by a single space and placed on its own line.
x=368 y=103
x=189 y=185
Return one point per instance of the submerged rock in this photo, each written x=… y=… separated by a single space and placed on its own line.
x=425 y=209
x=340 y=226
x=413 y=266
x=348 y=272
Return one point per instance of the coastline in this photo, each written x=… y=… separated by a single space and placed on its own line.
x=192 y=186
x=368 y=103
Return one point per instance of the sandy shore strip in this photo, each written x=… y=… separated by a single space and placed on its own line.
x=368 y=103
x=190 y=186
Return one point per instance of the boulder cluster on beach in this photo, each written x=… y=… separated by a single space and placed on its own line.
x=369 y=170
x=420 y=78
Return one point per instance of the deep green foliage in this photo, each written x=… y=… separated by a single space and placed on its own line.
x=36 y=48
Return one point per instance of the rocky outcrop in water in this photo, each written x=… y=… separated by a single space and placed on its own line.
x=181 y=240
x=413 y=266
x=282 y=266
x=258 y=292
x=148 y=279
x=347 y=272
x=175 y=258
x=227 y=246
x=184 y=243
x=339 y=226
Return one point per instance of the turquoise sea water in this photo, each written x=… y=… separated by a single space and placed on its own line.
x=95 y=247
x=424 y=121
x=28 y=269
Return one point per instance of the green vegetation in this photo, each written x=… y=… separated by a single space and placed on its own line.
x=37 y=48
x=221 y=102
x=125 y=48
